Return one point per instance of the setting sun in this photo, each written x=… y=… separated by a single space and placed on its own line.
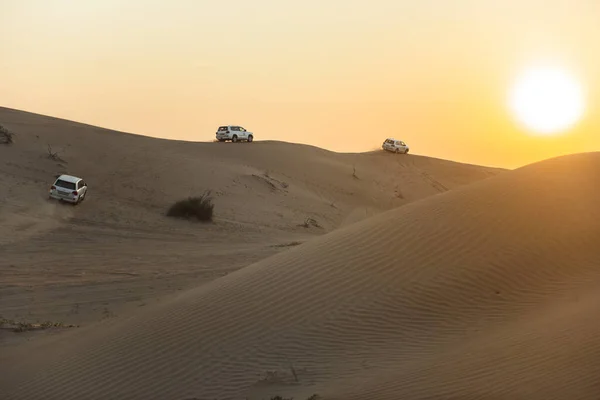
x=547 y=100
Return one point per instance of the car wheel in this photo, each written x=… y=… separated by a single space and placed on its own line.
x=250 y=138
x=234 y=139
x=406 y=151
x=397 y=151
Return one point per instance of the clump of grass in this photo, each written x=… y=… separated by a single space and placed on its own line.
x=199 y=208
x=55 y=155
x=18 y=326
x=308 y=222
x=6 y=136
x=289 y=244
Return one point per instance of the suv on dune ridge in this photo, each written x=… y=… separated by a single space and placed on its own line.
x=396 y=146
x=234 y=133
x=68 y=188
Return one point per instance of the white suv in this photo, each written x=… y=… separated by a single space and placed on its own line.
x=68 y=188
x=234 y=133
x=396 y=146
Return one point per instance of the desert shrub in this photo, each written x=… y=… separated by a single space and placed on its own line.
x=55 y=155
x=6 y=136
x=199 y=207
x=308 y=222
x=16 y=326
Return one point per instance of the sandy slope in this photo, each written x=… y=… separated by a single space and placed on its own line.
x=488 y=291
x=117 y=253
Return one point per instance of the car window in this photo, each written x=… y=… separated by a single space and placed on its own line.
x=242 y=129
x=222 y=128
x=235 y=128
x=65 y=184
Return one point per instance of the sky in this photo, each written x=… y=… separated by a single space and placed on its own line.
x=339 y=74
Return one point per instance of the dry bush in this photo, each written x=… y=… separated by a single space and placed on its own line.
x=200 y=208
x=55 y=155
x=308 y=222
x=6 y=136
x=18 y=326
x=289 y=244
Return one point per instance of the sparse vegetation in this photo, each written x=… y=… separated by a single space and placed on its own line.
x=313 y=397
x=267 y=179
x=17 y=326
x=293 y=370
x=199 y=208
x=398 y=193
x=290 y=244
x=289 y=375
x=272 y=182
x=354 y=172
x=308 y=222
x=55 y=155
x=6 y=136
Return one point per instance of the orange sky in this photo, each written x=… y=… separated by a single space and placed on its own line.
x=342 y=75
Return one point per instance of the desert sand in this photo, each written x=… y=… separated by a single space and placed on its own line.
x=424 y=279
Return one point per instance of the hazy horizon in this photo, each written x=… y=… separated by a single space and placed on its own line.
x=338 y=75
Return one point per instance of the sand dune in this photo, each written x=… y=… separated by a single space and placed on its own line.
x=118 y=253
x=486 y=291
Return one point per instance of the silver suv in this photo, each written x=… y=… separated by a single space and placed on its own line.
x=395 y=146
x=234 y=133
x=68 y=188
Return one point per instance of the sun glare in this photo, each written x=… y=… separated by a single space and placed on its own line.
x=547 y=100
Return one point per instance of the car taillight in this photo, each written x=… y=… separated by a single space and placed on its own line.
x=53 y=187
x=74 y=193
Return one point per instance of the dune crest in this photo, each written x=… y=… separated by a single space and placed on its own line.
x=124 y=254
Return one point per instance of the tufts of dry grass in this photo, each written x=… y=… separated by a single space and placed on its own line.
x=55 y=154
x=199 y=208
x=17 y=326
x=289 y=244
x=6 y=136
x=308 y=222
